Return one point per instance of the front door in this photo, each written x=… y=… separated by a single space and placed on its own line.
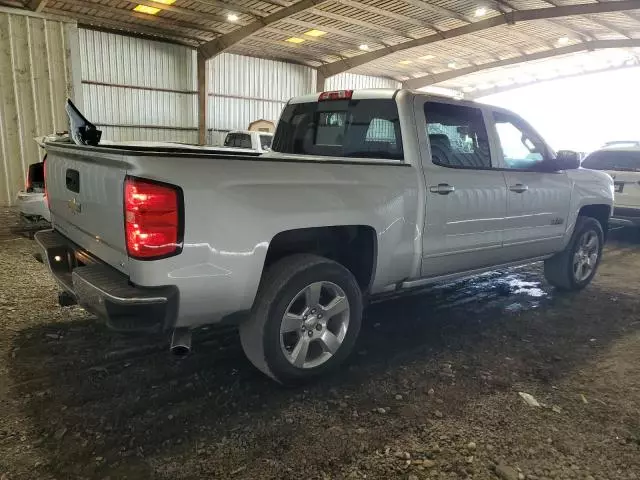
x=466 y=199
x=538 y=202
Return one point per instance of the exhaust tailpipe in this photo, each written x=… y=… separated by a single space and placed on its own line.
x=181 y=342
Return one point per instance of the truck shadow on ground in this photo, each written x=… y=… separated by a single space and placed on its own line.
x=102 y=404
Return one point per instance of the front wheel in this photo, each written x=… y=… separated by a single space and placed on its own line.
x=575 y=267
x=305 y=319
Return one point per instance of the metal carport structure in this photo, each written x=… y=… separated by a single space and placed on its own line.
x=420 y=43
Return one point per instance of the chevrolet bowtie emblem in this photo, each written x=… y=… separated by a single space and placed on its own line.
x=74 y=205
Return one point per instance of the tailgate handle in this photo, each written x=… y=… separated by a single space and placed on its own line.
x=73 y=180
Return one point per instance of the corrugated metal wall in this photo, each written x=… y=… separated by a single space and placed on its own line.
x=244 y=89
x=346 y=81
x=36 y=76
x=138 y=89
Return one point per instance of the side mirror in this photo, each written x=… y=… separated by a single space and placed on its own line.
x=565 y=160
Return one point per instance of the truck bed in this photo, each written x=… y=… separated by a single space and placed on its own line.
x=233 y=207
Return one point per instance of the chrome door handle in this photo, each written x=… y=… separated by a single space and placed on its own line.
x=442 y=189
x=519 y=188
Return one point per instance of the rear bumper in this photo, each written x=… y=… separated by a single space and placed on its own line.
x=104 y=291
x=33 y=205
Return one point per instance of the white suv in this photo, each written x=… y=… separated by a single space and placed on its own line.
x=623 y=164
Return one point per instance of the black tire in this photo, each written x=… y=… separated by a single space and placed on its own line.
x=260 y=334
x=558 y=269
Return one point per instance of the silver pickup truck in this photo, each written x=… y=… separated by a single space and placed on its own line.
x=365 y=194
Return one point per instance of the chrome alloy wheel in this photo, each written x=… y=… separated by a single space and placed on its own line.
x=314 y=324
x=585 y=257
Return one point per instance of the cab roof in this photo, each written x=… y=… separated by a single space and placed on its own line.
x=373 y=94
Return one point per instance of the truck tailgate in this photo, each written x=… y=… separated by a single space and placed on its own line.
x=85 y=194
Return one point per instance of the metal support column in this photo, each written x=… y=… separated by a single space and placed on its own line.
x=320 y=81
x=203 y=90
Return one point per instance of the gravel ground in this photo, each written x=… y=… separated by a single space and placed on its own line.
x=433 y=392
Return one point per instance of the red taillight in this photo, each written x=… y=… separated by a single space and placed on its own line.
x=152 y=218
x=336 y=95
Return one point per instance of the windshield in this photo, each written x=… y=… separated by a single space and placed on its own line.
x=341 y=128
x=620 y=160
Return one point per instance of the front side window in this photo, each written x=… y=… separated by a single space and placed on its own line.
x=367 y=128
x=457 y=135
x=521 y=149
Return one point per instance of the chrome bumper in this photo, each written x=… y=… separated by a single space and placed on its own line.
x=104 y=291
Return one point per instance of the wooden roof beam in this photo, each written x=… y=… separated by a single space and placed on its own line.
x=36 y=5
x=610 y=26
x=370 y=40
x=185 y=12
x=445 y=12
x=579 y=31
x=386 y=13
x=126 y=28
x=504 y=7
x=150 y=19
x=226 y=41
x=360 y=23
x=232 y=8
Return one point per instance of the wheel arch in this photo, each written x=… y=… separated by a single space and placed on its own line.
x=353 y=246
x=600 y=212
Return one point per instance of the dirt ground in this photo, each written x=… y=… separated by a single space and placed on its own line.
x=432 y=392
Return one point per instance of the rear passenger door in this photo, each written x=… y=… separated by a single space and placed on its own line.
x=466 y=199
x=538 y=201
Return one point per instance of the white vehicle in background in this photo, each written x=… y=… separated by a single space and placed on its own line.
x=249 y=140
x=31 y=201
x=622 y=144
x=622 y=163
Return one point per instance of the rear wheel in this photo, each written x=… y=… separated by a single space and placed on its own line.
x=575 y=267
x=305 y=319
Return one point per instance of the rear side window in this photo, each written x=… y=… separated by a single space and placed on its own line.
x=457 y=135
x=613 y=160
x=341 y=128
